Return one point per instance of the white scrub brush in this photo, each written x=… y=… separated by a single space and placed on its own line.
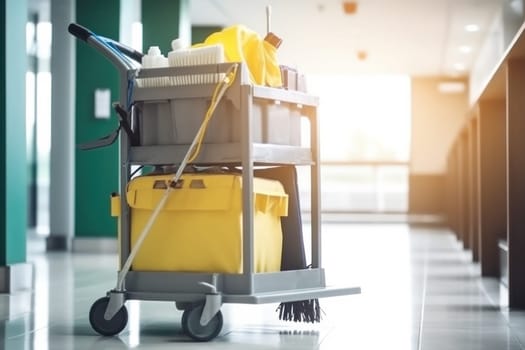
x=182 y=57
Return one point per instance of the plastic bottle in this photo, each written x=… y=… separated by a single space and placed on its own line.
x=178 y=44
x=155 y=59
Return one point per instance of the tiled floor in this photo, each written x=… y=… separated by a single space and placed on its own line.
x=419 y=291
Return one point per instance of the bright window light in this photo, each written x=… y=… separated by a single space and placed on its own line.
x=136 y=36
x=365 y=127
x=364 y=118
x=44 y=37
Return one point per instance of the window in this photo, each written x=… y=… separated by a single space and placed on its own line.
x=365 y=143
x=38 y=121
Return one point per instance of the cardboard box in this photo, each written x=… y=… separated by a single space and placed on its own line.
x=200 y=227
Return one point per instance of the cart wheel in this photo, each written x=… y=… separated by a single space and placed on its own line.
x=103 y=326
x=191 y=324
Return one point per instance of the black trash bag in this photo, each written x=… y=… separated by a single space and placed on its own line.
x=293 y=255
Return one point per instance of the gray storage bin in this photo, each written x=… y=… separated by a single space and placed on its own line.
x=175 y=122
x=172 y=116
x=280 y=123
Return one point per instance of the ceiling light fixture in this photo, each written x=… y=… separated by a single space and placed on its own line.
x=471 y=28
x=451 y=87
x=465 y=49
x=362 y=55
x=350 y=7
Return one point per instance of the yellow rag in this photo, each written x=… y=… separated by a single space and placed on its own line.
x=244 y=45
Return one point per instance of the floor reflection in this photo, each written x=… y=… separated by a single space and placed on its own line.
x=41 y=302
x=419 y=291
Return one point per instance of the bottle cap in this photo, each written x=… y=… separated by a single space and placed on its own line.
x=154 y=51
x=273 y=39
x=177 y=44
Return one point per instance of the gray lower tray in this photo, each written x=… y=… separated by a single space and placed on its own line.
x=257 y=298
x=256 y=288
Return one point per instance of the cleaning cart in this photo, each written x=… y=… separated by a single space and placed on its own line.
x=252 y=126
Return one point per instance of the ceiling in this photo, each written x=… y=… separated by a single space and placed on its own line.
x=416 y=37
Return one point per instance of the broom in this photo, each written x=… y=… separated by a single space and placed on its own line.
x=293 y=255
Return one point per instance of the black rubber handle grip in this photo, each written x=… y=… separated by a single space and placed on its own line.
x=79 y=31
x=128 y=51
x=83 y=33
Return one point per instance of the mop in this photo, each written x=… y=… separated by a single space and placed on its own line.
x=293 y=255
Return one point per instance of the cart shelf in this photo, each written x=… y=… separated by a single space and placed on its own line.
x=222 y=153
x=257 y=288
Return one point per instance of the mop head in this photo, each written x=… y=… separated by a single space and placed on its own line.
x=307 y=311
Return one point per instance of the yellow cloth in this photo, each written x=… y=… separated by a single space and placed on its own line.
x=244 y=45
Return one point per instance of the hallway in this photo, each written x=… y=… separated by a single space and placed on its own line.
x=419 y=291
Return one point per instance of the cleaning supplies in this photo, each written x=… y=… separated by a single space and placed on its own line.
x=244 y=45
x=232 y=44
x=154 y=59
x=182 y=56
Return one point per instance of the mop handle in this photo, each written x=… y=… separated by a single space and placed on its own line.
x=127 y=265
x=268 y=19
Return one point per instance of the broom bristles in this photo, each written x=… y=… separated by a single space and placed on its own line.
x=307 y=311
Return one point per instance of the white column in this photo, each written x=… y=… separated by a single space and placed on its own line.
x=61 y=196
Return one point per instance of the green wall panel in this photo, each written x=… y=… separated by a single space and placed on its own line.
x=13 y=171
x=3 y=168
x=3 y=216
x=200 y=33
x=96 y=171
x=163 y=21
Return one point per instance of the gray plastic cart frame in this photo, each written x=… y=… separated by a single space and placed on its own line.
x=213 y=289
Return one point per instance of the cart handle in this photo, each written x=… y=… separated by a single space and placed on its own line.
x=84 y=34
x=79 y=31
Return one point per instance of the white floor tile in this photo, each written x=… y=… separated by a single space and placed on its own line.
x=420 y=290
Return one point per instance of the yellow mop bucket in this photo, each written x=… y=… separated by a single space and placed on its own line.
x=200 y=227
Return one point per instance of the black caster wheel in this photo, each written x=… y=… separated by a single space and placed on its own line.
x=103 y=326
x=181 y=306
x=192 y=326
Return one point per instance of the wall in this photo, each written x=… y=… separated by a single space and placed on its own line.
x=436 y=120
x=163 y=21
x=500 y=34
x=200 y=33
x=13 y=171
x=62 y=155
x=15 y=273
x=96 y=171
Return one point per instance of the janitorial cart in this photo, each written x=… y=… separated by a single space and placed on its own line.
x=211 y=235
